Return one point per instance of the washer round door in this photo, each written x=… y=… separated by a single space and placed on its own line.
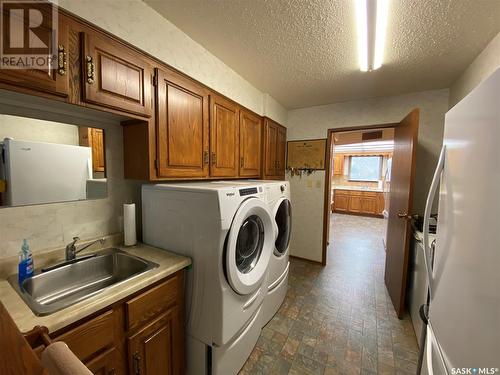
x=283 y=218
x=249 y=246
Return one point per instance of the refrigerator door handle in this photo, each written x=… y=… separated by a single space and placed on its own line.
x=428 y=207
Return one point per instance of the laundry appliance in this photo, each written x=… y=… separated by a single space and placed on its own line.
x=228 y=231
x=278 y=199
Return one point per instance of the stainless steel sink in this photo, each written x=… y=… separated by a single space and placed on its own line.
x=68 y=284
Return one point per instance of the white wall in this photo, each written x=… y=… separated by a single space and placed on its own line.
x=140 y=25
x=314 y=122
x=482 y=66
x=29 y=129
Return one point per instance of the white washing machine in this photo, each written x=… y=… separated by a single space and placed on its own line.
x=278 y=198
x=228 y=231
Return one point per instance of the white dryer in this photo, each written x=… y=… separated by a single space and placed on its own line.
x=228 y=231
x=278 y=198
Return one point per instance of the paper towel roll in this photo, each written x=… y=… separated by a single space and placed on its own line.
x=130 y=237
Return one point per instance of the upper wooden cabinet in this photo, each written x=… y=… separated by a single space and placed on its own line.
x=224 y=137
x=338 y=165
x=115 y=76
x=274 y=150
x=93 y=138
x=53 y=80
x=250 y=144
x=182 y=126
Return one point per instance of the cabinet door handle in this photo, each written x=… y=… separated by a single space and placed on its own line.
x=214 y=158
x=242 y=161
x=137 y=363
x=62 y=60
x=206 y=157
x=90 y=70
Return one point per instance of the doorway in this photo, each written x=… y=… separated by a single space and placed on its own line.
x=370 y=173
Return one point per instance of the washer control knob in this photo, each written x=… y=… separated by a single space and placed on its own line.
x=282 y=188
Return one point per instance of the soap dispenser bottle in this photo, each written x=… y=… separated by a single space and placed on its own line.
x=26 y=267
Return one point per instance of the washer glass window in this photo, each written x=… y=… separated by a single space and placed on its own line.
x=249 y=243
x=284 y=222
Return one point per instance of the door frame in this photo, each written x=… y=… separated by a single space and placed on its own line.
x=328 y=180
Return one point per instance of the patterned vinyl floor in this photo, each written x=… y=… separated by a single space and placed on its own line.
x=338 y=319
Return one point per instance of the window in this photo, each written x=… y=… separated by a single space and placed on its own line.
x=365 y=168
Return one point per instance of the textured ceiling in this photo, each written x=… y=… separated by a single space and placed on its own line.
x=303 y=52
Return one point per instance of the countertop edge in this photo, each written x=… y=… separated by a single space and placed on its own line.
x=169 y=263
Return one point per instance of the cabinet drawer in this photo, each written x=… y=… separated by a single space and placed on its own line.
x=149 y=304
x=355 y=192
x=90 y=337
x=370 y=194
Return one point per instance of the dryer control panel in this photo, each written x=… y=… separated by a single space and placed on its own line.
x=248 y=191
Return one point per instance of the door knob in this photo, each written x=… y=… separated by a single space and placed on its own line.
x=404 y=215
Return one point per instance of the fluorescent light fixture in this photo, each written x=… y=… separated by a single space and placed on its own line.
x=380 y=32
x=371 y=19
x=362 y=27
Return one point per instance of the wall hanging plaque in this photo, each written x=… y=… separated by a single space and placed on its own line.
x=306 y=154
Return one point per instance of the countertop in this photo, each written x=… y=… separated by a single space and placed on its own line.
x=25 y=319
x=357 y=188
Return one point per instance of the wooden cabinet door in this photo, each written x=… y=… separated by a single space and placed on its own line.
x=157 y=348
x=355 y=203
x=380 y=203
x=341 y=202
x=53 y=79
x=338 y=165
x=98 y=161
x=250 y=144
x=270 y=140
x=369 y=205
x=115 y=76
x=224 y=137
x=104 y=364
x=182 y=126
x=280 y=152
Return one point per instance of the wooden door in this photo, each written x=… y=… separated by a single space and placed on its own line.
x=115 y=76
x=280 y=152
x=401 y=198
x=157 y=348
x=103 y=364
x=224 y=137
x=250 y=144
x=182 y=126
x=53 y=79
x=270 y=140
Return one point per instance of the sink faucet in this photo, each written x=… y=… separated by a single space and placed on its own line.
x=71 y=250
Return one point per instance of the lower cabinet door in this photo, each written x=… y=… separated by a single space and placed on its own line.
x=157 y=348
x=355 y=203
x=103 y=364
x=341 y=202
x=369 y=205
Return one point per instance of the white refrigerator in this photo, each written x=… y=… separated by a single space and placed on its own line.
x=463 y=334
x=39 y=172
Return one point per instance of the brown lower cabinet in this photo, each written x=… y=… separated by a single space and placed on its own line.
x=358 y=202
x=141 y=335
